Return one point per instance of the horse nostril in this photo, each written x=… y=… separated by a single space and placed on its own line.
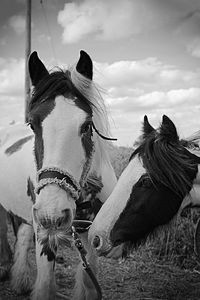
x=96 y=242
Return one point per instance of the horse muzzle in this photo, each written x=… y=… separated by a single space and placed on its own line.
x=101 y=244
x=104 y=248
x=63 y=221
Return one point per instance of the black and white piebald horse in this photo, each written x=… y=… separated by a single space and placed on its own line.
x=161 y=174
x=49 y=165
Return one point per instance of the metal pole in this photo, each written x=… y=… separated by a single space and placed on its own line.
x=27 y=54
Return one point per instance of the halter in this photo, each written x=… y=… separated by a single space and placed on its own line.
x=54 y=175
x=101 y=135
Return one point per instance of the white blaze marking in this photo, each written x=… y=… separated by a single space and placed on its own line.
x=116 y=203
x=62 y=142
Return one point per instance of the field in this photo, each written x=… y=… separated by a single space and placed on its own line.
x=165 y=267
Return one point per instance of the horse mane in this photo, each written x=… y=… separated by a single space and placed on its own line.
x=168 y=163
x=60 y=82
x=91 y=91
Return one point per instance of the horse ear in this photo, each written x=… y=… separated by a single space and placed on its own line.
x=85 y=65
x=168 y=129
x=147 y=128
x=37 y=70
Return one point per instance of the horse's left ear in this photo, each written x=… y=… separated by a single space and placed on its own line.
x=147 y=128
x=37 y=70
x=168 y=129
x=85 y=65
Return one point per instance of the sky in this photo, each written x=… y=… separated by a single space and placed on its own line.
x=146 y=56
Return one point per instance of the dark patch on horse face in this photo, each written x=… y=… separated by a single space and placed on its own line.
x=86 y=137
x=148 y=207
x=31 y=189
x=17 y=145
x=36 y=117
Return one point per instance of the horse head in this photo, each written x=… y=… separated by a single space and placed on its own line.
x=63 y=109
x=149 y=192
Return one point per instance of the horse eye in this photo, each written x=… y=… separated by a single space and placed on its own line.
x=145 y=181
x=86 y=127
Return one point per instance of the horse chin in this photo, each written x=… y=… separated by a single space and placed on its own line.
x=123 y=250
x=115 y=252
x=52 y=238
x=109 y=250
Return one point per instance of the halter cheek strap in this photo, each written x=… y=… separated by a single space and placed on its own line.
x=54 y=175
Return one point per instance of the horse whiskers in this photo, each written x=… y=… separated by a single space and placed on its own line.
x=52 y=238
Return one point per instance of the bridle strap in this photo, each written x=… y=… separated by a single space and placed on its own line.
x=54 y=175
x=58 y=175
x=101 y=135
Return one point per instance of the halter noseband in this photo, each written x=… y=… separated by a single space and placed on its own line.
x=54 y=175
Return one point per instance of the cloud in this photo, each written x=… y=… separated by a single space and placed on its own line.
x=12 y=76
x=116 y=19
x=136 y=88
x=12 y=109
x=11 y=90
x=146 y=75
x=107 y=20
x=188 y=30
x=194 y=47
x=17 y=23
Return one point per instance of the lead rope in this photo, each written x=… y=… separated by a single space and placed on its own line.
x=82 y=251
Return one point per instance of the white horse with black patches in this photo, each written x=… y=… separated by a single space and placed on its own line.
x=69 y=122
x=162 y=175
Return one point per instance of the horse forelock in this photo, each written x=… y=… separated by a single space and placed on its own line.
x=55 y=84
x=169 y=163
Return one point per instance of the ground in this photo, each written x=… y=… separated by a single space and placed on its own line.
x=141 y=276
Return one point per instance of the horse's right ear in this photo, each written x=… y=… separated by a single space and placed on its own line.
x=147 y=128
x=37 y=70
x=85 y=65
x=168 y=129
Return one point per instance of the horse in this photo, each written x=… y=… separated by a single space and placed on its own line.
x=159 y=177
x=46 y=167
